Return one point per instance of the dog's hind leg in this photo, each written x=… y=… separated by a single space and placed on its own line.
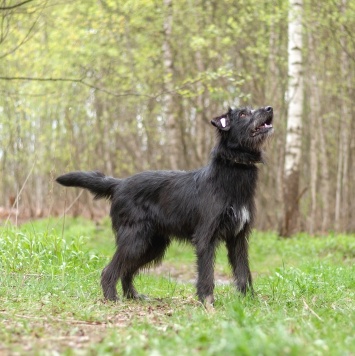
x=127 y=249
x=129 y=291
x=110 y=276
x=138 y=247
x=153 y=254
x=238 y=258
x=122 y=266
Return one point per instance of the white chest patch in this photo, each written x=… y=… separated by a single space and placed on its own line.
x=243 y=218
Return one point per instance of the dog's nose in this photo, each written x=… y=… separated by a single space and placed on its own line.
x=268 y=108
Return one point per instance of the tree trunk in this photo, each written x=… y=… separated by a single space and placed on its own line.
x=325 y=177
x=342 y=190
x=201 y=118
x=168 y=99
x=313 y=164
x=294 y=121
x=314 y=137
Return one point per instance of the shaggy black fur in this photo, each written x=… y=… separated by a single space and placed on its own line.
x=205 y=206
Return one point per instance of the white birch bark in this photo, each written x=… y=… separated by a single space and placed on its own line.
x=294 y=120
x=295 y=89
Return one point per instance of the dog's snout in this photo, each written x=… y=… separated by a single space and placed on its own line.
x=268 y=108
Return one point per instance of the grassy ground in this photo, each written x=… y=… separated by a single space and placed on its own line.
x=50 y=298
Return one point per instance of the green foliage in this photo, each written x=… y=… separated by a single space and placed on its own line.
x=304 y=299
x=116 y=49
x=45 y=252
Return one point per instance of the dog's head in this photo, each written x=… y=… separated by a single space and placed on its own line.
x=245 y=128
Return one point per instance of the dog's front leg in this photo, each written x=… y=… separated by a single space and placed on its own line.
x=205 y=252
x=238 y=258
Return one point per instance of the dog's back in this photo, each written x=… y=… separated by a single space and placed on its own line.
x=166 y=201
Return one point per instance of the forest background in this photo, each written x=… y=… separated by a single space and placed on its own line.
x=126 y=86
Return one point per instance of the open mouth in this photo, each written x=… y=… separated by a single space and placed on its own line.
x=265 y=127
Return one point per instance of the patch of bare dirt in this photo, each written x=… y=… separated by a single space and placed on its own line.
x=186 y=273
x=28 y=333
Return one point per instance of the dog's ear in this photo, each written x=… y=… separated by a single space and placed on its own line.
x=222 y=122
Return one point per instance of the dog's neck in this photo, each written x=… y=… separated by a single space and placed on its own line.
x=238 y=157
x=245 y=162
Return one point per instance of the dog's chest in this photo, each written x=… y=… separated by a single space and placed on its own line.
x=237 y=218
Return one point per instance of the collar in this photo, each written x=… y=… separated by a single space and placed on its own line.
x=239 y=158
x=245 y=158
x=244 y=161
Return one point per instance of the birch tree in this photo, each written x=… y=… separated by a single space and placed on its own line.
x=293 y=149
x=173 y=152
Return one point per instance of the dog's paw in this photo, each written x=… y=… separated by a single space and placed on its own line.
x=142 y=297
x=209 y=303
x=111 y=299
x=137 y=296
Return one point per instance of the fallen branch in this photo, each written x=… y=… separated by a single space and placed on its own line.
x=311 y=310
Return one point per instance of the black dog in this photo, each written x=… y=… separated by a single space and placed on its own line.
x=205 y=206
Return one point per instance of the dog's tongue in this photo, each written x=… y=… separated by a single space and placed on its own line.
x=266 y=125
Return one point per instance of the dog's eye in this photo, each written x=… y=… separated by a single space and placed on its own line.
x=243 y=115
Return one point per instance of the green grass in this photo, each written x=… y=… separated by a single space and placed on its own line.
x=51 y=302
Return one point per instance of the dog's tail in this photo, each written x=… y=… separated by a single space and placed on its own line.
x=96 y=182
